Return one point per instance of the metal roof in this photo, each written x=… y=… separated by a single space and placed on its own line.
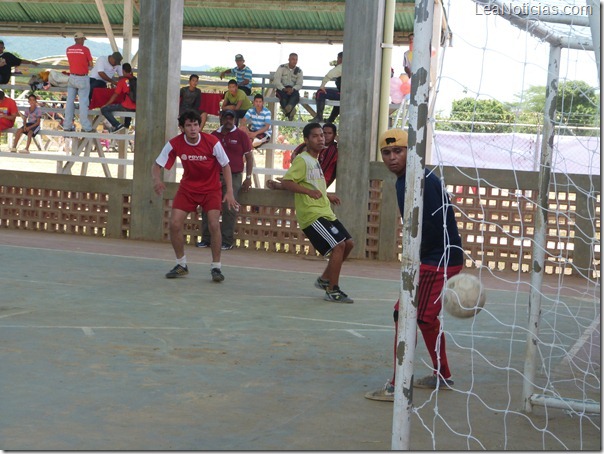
x=314 y=21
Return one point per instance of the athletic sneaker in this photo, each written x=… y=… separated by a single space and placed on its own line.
x=226 y=247
x=337 y=296
x=322 y=284
x=217 y=275
x=117 y=128
x=385 y=393
x=178 y=271
x=431 y=381
x=203 y=244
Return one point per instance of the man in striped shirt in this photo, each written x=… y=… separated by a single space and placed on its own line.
x=257 y=122
x=242 y=73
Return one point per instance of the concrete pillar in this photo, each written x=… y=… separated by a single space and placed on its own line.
x=359 y=113
x=156 y=109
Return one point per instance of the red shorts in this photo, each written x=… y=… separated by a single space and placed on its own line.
x=183 y=200
x=431 y=282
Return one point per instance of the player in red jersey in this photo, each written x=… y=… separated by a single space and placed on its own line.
x=202 y=158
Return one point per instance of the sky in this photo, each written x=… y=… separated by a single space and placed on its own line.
x=489 y=58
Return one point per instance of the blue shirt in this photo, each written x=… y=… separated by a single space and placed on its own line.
x=244 y=73
x=257 y=120
x=438 y=212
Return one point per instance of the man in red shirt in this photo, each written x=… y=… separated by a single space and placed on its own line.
x=238 y=147
x=328 y=158
x=8 y=111
x=80 y=62
x=122 y=90
x=202 y=158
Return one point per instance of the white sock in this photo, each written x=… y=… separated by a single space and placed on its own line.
x=182 y=261
x=216 y=265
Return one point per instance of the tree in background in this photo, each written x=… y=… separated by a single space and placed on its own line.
x=577 y=106
x=479 y=115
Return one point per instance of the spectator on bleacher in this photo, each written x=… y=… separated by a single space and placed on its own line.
x=123 y=88
x=9 y=61
x=236 y=99
x=238 y=148
x=329 y=93
x=104 y=71
x=288 y=81
x=80 y=62
x=32 y=121
x=243 y=74
x=408 y=56
x=190 y=98
x=328 y=157
x=8 y=111
x=257 y=122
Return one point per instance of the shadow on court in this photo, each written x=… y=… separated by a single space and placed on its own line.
x=101 y=352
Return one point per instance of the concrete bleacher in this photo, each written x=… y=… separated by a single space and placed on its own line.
x=87 y=147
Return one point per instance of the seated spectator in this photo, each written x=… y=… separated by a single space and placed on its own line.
x=104 y=71
x=31 y=123
x=236 y=99
x=8 y=61
x=288 y=81
x=8 y=111
x=128 y=104
x=329 y=93
x=258 y=122
x=190 y=99
x=328 y=158
x=243 y=74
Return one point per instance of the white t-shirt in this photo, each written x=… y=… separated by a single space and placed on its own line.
x=102 y=65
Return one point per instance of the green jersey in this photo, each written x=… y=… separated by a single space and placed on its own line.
x=241 y=96
x=306 y=171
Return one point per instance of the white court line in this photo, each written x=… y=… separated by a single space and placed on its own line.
x=28 y=281
x=15 y=313
x=581 y=341
x=354 y=333
x=88 y=331
x=334 y=321
x=190 y=260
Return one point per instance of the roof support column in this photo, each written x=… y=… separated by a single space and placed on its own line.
x=363 y=33
x=128 y=25
x=156 y=111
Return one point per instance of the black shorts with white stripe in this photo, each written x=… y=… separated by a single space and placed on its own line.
x=324 y=234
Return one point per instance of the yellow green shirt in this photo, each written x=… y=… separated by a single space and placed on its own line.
x=241 y=96
x=306 y=171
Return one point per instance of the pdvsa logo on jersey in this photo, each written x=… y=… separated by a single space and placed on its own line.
x=195 y=157
x=334 y=230
x=183 y=157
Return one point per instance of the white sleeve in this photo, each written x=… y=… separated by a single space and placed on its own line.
x=220 y=154
x=162 y=159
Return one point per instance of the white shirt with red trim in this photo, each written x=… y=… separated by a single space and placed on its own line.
x=201 y=161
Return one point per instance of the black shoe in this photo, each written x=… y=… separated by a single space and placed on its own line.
x=217 y=275
x=322 y=284
x=226 y=247
x=118 y=127
x=178 y=271
x=337 y=296
x=203 y=244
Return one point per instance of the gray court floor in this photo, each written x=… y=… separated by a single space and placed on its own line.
x=100 y=352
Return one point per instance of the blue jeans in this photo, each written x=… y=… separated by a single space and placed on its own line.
x=107 y=112
x=80 y=86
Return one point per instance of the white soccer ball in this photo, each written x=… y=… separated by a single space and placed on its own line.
x=464 y=296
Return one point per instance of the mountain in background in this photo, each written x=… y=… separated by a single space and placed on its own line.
x=32 y=48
